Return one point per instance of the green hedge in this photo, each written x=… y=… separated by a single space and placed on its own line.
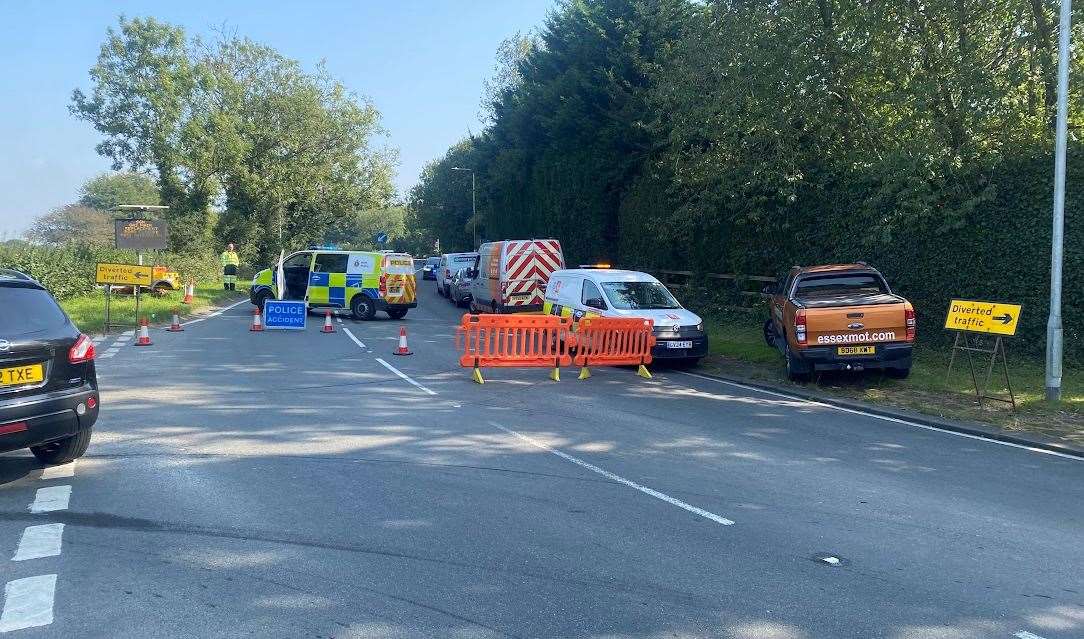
x=69 y=271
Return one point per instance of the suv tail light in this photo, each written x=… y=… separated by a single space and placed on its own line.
x=383 y=284
x=909 y=320
x=81 y=351
x=799 y=328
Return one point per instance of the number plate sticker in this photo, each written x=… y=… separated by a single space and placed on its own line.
x=395 y=292
x=18 y=375
x=682 y=344
x=857 y=350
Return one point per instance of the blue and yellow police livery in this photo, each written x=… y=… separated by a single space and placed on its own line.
x=363 y=281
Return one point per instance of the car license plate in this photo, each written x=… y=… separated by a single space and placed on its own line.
x=682 y=344
x=856 y=350
x=395 y=292
x=18 y=375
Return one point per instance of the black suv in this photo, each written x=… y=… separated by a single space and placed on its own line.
x=48 y=386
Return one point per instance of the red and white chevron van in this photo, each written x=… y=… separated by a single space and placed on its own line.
x=512 y=275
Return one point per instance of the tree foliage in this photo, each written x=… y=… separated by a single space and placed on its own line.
x=246 y=145
x=749 y=136
x=112 y=189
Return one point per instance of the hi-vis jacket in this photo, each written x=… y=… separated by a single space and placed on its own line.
x=335 y=279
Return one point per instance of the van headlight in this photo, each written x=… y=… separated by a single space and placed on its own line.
x=700 y=327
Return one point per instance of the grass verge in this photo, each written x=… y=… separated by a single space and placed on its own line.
x=738 y=349
x=88 y=311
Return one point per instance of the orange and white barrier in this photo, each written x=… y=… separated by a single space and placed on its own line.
x=614 y=341
x=513 y=341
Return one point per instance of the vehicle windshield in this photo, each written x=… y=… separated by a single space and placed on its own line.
x=433 y=261
x=36 y=311
x=632 y=296
x=844 y=284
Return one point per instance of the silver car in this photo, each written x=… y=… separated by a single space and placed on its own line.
x=459 y=289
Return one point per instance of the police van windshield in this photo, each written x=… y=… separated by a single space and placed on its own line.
x=632 y=296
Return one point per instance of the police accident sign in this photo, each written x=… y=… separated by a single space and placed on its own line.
x=285 y=314
x=982 y=317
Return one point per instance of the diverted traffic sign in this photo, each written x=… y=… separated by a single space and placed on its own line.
x=123 y=274
x=982 y=317
x=285 y=314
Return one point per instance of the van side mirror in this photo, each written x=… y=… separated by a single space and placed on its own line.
x=595 y=302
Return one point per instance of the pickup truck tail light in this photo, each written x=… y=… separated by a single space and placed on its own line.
x=909 y=320
x=799 y=328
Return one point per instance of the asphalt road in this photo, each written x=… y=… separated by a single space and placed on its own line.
x=291 y=485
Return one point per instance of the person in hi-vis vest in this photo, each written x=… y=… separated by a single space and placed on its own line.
x=229 y=268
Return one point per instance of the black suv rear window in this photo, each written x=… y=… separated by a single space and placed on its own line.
x=27 y=310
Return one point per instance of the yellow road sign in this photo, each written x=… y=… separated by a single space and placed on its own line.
x=982 y=317
x=129 y=274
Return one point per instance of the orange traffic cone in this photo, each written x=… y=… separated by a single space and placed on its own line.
x=328 y=328
x=188 y=290
x=257 y=321
x=403 y=350
x=144 y=335
x=175 y=325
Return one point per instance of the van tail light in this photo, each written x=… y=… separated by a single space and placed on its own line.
x=799 y=328
x=81 y=351
x=909 y=320
x=383 y=284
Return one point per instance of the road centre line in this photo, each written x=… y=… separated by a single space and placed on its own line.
x=357 y=341
x=39 y=541
x=51 y=498
x=28 y=603
x=404 y=376
x=619 y=479
x=876 y=416
x=57 y=472
x=214 y=314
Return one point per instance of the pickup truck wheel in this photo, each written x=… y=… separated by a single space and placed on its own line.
x=898 y=373
x=796 y=370
x=769 y=332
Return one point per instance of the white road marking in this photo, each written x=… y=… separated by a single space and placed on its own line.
x=56 y=472
x=357 y=341
x=404 y=376
x=51 y=498
x=105 y=356
x=128 y=334
x=215 y=314
x=1024 y=634
x=619 y=479
x=28 y=603
x=881 y=417
x=338 y=319
x=39 y=541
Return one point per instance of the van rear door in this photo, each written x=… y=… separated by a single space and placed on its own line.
x=398 y=284
x=525 y=269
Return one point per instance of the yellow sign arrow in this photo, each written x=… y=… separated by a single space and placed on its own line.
x=123 y=274
x=982 y=317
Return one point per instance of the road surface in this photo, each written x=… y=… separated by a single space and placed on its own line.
x=314 y=485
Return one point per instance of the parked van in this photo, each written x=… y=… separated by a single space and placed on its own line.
x=449 y=265
x=512 y=275
x=362 y=281
x=605 y=292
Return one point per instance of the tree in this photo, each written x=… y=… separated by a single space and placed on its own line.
x=73 y=224
x=110 y=189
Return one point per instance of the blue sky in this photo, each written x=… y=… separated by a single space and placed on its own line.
x=421 y=62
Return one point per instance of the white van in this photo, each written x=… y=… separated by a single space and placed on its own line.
x=512 y=275
x=449 y=265
x=605 y=292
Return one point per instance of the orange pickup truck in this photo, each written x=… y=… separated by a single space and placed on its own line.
x=839 y=317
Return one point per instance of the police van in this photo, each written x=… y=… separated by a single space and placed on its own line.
x=362 y=281
x=605 y=292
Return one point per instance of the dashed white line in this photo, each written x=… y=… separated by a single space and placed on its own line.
x=57 y=472
x=357 y=341
x=876 y=416
x=1024 y=634
x=51 y=498
x=28 y=603
x=619 y=479
x=404 y=376
x=39 y=541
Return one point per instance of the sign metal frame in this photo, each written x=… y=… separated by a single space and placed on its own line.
x=974 y=338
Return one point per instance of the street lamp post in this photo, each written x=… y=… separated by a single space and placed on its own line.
x=473 y=203
x=1054 y=332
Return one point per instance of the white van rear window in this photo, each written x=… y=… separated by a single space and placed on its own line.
x=398 y=264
